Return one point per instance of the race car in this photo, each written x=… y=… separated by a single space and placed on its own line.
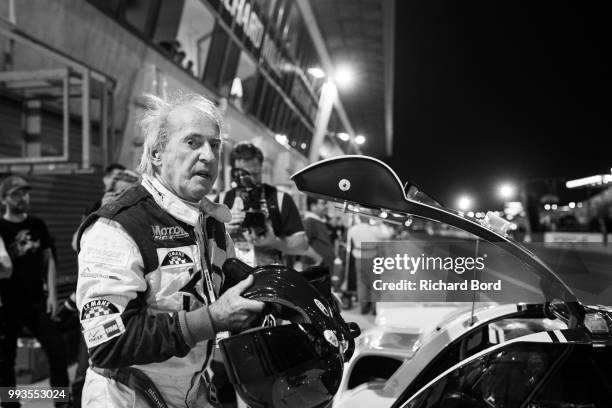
x=549 y=351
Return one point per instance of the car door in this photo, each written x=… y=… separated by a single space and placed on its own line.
x=503 y=377
x=524 y=374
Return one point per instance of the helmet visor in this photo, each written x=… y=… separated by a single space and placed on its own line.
x=283 y=366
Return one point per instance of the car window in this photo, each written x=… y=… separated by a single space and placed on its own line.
x=494 y=333
x=471 y=343
x=373 y=368
x=584 y=379
x=508 y=329
x=501 y=379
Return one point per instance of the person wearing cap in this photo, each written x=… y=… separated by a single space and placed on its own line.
x=150 y=269
x=25 y=303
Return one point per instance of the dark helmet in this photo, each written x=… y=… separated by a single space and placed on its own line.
x=298 y=364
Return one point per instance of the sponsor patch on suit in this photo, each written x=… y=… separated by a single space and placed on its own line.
x=105 y=255
x=166 y=233
x=104 y=332
x=97 y=273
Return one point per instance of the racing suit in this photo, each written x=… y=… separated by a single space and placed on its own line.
x=149 y=263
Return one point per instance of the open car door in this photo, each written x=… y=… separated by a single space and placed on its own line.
x=369 y=187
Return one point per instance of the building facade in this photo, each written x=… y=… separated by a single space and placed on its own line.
x=73 y=72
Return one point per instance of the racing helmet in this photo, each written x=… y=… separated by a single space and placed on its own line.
x=295 y=364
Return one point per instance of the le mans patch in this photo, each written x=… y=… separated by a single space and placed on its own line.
x=98 y=307
x=176 y=258
x=104 y=332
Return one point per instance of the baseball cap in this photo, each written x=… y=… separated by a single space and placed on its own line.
x=12 y=183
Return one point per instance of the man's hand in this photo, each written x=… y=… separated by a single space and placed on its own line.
x=238 y=215
x=51 y=305
x=233 y=312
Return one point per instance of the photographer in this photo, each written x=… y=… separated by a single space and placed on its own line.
x=265 y=222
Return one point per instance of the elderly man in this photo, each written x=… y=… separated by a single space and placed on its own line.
x=150 y=269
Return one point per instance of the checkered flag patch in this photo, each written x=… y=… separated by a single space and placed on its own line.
x=97 y=308
x=176 y=258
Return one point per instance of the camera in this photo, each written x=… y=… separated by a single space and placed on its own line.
x=254 y=202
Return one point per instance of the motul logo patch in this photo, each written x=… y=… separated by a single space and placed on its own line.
x=168 y=233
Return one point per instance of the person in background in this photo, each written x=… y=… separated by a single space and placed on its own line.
x=318 y=233
x=282 y=232
x=336 y=227
x=337 y=232
x=366 y=231
x=28 y=244
x=121 y=181
x=115 y=179
x=109 y=175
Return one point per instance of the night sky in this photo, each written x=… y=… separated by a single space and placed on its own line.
x=494 y=91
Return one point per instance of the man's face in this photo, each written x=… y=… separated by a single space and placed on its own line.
x=189 y=163
x=253 y=166
x=18 y=201
x=320 y=208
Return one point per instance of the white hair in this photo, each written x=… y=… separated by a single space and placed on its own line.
x=154 y=122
